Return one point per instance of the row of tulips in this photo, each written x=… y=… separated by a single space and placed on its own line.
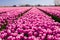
x=34 y=25
x=52 y=11
x=6 y=9
x=12 y=15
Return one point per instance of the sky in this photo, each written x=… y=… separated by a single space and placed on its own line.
x=23 y=2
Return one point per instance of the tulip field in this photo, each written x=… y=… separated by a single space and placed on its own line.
x=30 y=23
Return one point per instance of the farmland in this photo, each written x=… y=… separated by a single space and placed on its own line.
x=30 y=23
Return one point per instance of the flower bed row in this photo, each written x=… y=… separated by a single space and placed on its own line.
x=10 y=16
x=52 y=11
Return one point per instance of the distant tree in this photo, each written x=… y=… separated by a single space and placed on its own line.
x=58 y=5
x=38 y=5
x=14 y=5
x=27 y=5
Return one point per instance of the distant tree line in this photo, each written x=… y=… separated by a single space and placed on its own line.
x=27 y=5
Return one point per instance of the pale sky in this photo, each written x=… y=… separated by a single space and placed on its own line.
x=23 y=2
